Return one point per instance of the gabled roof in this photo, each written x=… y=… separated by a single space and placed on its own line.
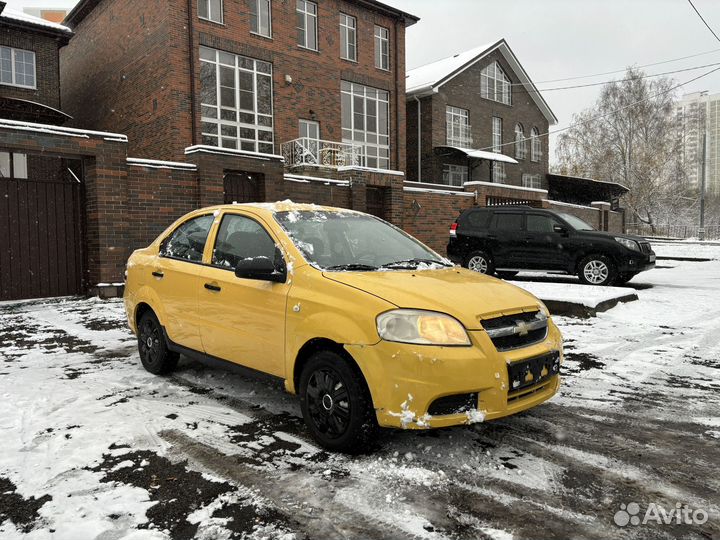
x=23 y=20
x=426 y=80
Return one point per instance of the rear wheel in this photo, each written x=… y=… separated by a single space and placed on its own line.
x=154 y=353
x=597 y=270
x=506 y=274
x=479 y=261
x=336 y=403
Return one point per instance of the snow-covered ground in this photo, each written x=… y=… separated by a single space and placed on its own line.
x=687 y=248
x=92 y=446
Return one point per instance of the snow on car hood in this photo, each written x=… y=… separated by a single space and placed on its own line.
x=466 y=295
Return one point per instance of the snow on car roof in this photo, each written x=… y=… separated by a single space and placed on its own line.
x=288 y=206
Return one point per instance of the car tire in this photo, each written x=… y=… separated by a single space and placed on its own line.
x=597 y=270
x=506 y=274
x=155 y=355
x=479 y=261
x=336 y=404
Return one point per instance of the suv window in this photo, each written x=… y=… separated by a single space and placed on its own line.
x=507 y=222
x=477 y=219
x=188 y=240
x=240 y=238
x=540 y=223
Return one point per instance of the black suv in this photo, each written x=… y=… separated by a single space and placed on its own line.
x=509 y=239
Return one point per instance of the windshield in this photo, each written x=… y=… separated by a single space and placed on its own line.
x=576 y=223
x=354 y=242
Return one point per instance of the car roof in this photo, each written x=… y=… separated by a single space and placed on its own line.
x=281 y=206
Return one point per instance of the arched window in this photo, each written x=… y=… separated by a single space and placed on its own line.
x=535 y=145
x=494 y=84
x=520 y=142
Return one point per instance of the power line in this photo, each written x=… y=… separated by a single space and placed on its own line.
x=605 y=115
x=703 y=20
x=624 y=69
x=644 y=76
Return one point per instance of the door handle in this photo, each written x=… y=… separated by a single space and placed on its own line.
x=491 y=237
x=158 y=274
x=211 y=287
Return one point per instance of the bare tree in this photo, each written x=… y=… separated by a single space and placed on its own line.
x=629 y=136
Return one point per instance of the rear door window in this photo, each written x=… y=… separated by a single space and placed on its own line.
x=477 y=219
x=187 y=242
x=507 y=221
x=538 y=223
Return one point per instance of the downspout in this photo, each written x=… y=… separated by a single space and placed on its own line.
x=397 y=95
x=191 y=59
x=419 y=143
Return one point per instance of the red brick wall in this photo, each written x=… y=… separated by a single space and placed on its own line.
x=437 y=211
x=46 y=62
x=138 y=78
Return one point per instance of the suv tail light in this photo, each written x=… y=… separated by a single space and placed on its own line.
x=453 y=230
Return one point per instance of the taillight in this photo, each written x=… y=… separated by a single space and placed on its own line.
x=453 y=230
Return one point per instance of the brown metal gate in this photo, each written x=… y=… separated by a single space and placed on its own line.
x=40 y=228
x=242 y=187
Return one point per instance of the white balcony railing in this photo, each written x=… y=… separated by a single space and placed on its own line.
x=459 y=135
x=305 y=151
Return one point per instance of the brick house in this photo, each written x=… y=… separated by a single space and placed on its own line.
x=477 y=117
x=248 y=90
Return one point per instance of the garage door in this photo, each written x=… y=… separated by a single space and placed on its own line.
x=41 y=224
x=242 y=187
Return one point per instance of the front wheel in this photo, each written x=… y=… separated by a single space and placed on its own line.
x=154 y=353
x=597 y=270
x=336 y=404
x=479 y=261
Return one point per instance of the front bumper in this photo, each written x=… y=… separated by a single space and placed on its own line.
x=636 y=263
x=405 y=380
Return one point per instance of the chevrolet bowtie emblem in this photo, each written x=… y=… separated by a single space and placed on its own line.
x=521 y=328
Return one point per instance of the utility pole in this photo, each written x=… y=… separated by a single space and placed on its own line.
x=701 y=230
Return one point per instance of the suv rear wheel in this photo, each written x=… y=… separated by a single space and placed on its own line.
x=479 y=261
x=597 y=270
x=336 y=403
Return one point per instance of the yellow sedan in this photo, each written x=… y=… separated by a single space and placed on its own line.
x=368 y=325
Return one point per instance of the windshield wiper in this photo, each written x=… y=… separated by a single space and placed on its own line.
x=353 y=267
x=414 y=263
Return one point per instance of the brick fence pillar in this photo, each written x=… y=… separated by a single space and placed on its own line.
x=358 y=194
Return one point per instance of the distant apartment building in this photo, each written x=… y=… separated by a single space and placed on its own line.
x=699 y=113
x=50 y=14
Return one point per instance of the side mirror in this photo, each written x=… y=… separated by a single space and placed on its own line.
x=560 y=230
x=263 y=269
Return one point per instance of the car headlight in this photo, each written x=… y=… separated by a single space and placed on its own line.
x=421 y=328
x=630 y=244
x=543 y=309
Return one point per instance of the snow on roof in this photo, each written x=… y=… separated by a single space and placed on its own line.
x=431 y=74
x=425 y=80
x=8 y=13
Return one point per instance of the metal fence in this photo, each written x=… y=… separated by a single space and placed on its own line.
x=712 y=232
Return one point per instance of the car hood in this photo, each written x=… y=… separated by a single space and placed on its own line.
x=610 y=236
x=466 y=295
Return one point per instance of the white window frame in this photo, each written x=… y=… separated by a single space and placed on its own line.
x=533 y=181
x=520 y=142
x=301 y=8
x=455 y=175
x=211 y=16
x=457 y=122
x=257 y=18
x=13 y=68
x=499 y=174
x=382 y=57
x=353 y=135
x=348 y=27
x=495 y=85
x=15 y=164
x=259 y=145
x=305 y=128
x=535 y=145
x=497 y=138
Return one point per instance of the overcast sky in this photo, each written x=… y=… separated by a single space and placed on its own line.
x=560 y=38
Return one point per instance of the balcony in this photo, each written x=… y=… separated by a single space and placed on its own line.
x=305 y=151
x=459 y=135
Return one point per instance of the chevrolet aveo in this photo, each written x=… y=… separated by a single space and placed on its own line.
x=366 y=324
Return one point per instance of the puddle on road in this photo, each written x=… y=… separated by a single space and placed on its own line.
x=576 y=362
